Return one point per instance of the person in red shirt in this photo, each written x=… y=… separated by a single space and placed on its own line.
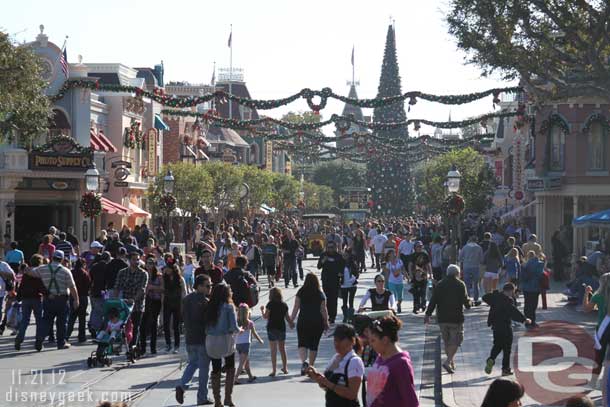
x=206 y=266
x=46 y=248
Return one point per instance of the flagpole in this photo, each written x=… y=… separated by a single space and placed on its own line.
x=231 y=72
x=353 y=68
x=213 y=86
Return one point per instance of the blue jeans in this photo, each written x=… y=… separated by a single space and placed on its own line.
x=97 y=313
x=29 y=305
x=290 y=270
x=471 y=279
x=57 y=308
x=197 y=359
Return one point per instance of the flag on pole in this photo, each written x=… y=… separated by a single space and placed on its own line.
x=63 y=61
x=230 y=38
x=352 y=55
x=214 y=76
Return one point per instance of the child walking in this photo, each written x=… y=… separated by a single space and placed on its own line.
x=276 y=314
x=188 y=271
x=242 y=342
x=501 y=313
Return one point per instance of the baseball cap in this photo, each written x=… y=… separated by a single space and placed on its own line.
x=419 y=244
x=96 y=245
x=58 y=254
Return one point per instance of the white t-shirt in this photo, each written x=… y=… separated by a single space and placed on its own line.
x=378 y=242
x=392 y=268
x=348 y=278
x=406 y=247
x=354 y=369
x=246 y=335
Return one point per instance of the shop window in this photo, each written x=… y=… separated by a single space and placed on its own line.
x=557 y=141
x=59 y=124
x=597 y=146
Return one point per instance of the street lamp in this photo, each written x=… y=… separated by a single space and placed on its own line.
x=92 y=179
x=453 y=180
x=168 y=182
x=168 y=188
x=453 y=187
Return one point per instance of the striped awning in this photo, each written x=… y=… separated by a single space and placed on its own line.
x=99 y=142
x=114 y=208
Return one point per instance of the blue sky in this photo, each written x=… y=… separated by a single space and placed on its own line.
x=282 y=45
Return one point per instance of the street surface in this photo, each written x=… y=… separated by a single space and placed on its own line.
x=61 y=378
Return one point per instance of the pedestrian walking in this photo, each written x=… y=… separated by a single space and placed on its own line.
x=420 y=271
x=83 y=283
x=310 y=306
x=395 y=273
x=449 y=298
x=349 y=284
x=58 y=282
x=471 y=257
x=343 y=375
x=243 y=340
x=289 y=251
x=276 y=314
x=155 y=288
x=332 y=265
x=221 y=323
x=174 y=290
x=531 y=280
x=492 y=263
x=381 y=298
x=30 y=293
x=194 y=310
x=501 y=314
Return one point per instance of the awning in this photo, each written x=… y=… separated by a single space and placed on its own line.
x=527 y=210
x=267 y=209
x=114 y=208
x=106 y=140
x=138 y=212
x=598 y=219
x=99 y=142
x=160 y=124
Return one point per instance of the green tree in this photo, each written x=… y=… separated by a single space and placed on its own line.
x=477 y=184
x=260 y=183
x=556 y=48
x=226 y=179
x=24 y=108
x=192 y=188
x=285 y=190
x=338 y=175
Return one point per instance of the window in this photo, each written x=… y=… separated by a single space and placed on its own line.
x=597 y=147
x=557 y=141
x=59 y=124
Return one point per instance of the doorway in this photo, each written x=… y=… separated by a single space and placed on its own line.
x=33 y=221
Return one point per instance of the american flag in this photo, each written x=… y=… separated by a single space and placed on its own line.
x=63 y=61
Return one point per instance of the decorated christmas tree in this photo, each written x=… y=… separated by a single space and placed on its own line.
x=390 y=176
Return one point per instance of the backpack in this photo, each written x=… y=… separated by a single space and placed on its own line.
x=248 y=290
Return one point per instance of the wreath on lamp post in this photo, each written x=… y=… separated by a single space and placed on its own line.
x=455 y=204
x=167 y=203
x=91 y=205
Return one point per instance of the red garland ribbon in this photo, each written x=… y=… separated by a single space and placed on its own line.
x=167 y=203
x=455 y=204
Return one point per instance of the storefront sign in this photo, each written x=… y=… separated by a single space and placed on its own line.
x=543 y=184
x=228 y=156
x=152 y=152
x=60 y=162
x=121 y=184
x=269 y=155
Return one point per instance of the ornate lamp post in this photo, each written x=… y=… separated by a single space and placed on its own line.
x=168 y=189
x=91 y=204
x=455 y=206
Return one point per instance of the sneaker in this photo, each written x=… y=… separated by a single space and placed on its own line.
x=205 y=403
x=17 y=345
x=448 y=368
x=176 y=349
x=168 y=348
x=304 y=368
x=399 y=309
x=489 y=365
x=507 y=372
x=64 y=346
x=38 y=345
x=452 y=364
x=415 y=311
x=179 y=394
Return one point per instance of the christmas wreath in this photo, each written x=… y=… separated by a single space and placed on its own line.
x=167 y=203
x=455 y=204
x=133 y=136
x=91 y=205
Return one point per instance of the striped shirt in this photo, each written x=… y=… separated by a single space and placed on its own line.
x=65 y=247
x=63 y=278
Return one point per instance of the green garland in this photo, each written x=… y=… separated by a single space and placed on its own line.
x=596 y=118
x=91 y=205
x=337 y=120
x=60 y=139
x=553 y=120
x=159 y=95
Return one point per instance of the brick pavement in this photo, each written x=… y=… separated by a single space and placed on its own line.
x=468 y=385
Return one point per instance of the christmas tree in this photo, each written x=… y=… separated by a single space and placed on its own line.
x=390 y=177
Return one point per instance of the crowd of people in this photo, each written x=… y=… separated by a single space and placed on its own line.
x=205 y=297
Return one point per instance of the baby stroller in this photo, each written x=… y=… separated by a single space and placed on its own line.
x=112 y=345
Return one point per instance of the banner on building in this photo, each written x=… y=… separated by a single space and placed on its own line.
x=269 y=155
x=152 y=152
